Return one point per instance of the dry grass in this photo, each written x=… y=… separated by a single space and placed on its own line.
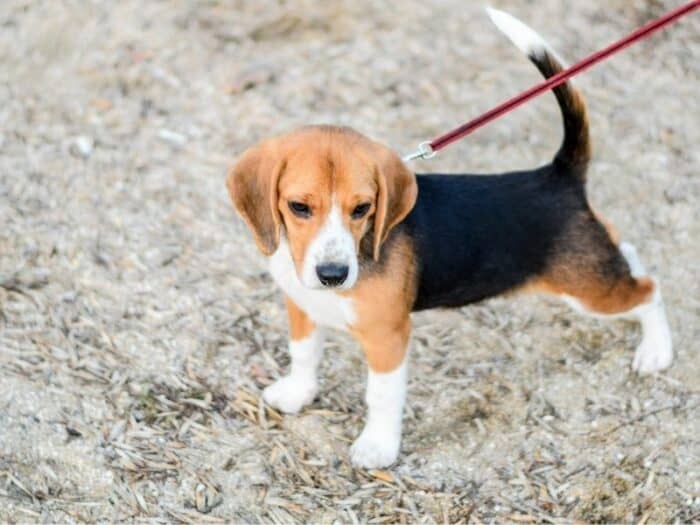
x=138 y=326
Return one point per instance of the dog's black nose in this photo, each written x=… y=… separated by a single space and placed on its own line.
x=332 y=274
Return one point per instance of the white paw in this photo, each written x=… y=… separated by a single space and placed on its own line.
x=375 y=449
x=655 y=352
x=290 y=394
x=652 y=355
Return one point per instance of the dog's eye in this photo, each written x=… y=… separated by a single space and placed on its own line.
x=360 y=210
x=300 y=209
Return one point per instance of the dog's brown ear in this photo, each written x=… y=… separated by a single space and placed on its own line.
x=252 y=184
x=396 y=195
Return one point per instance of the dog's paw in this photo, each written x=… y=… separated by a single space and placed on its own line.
x=655 y=352
x=652 y=355
x=290 y=394
x=375 y=449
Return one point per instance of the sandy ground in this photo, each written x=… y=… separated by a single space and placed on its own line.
x=138 y=325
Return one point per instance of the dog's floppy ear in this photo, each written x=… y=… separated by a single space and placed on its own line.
x=396 y=194
x=252 y=184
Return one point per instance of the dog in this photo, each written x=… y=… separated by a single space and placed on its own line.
x=357 y=242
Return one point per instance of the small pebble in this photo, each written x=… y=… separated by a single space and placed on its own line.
x=172 y=137
x=82 y=146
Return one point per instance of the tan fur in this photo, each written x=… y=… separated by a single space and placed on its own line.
x=300 y=326
x=576 y=148
x=252 y=185
x=397 y=195
x=596 y=294
x=383 y=304
x=586 y=264
x=609 y=226
x=322 y=166
x=316 y=165
x=582 y=153
x=385 y=346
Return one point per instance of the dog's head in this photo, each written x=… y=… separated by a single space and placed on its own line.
x=323 y=188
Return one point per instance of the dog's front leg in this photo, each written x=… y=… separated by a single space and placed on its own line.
x=297 y=389
x=386 y=350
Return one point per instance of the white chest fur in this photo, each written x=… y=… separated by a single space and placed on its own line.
x=324 y=307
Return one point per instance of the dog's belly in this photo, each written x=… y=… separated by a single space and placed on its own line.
x=324 y=307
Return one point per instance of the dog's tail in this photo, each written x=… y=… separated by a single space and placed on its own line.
x=575 y=151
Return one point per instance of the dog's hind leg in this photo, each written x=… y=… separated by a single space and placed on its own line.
x=655 y=352
x=607 y=281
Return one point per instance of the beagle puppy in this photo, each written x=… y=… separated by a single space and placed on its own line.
x=357 y=242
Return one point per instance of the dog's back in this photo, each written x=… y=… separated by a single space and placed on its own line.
x=479 y=236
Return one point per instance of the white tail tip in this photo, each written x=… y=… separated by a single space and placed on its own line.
x=521 y=35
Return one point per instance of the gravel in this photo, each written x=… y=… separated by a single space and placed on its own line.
x=138 y=325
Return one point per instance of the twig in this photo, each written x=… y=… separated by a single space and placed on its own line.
x=645 y=415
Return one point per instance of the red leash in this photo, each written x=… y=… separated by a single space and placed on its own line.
x=427 y=150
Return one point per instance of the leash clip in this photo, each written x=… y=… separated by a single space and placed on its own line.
x=424 y=151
